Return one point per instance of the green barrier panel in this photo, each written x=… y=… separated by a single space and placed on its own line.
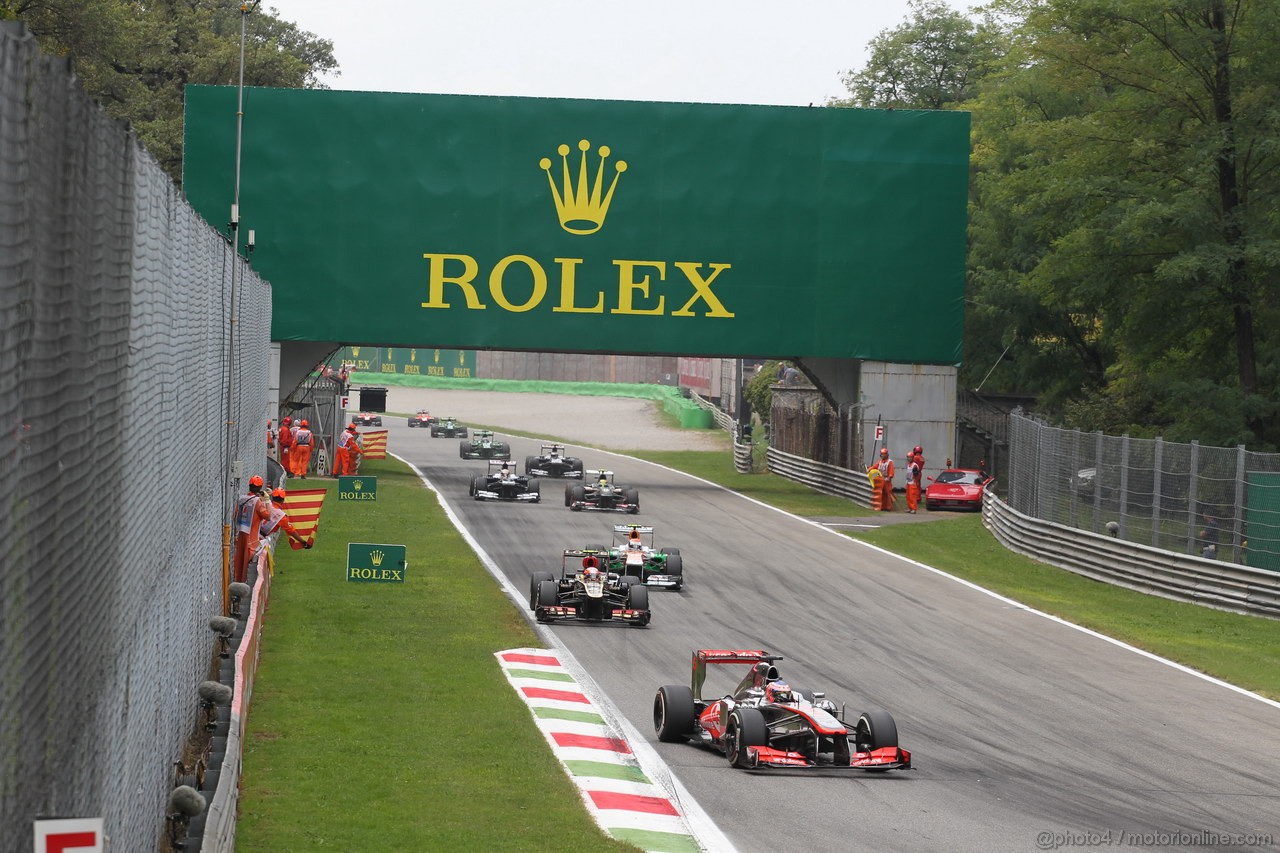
x=468 y=222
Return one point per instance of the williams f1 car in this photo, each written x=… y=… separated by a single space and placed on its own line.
x=766 y=722
x=502 y=483
x=635 y=555
x=587 y=593
x=598 y=491
x=423 y=418
x=448 y=428
x=553 y=463
x=484 y=446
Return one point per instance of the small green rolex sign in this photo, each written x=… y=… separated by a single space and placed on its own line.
x=376 y=563
x=357 y=488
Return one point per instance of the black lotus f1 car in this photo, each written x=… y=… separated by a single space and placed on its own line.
x=552 y=462
x=766 y=722
x=502 y=483
x=586 y=593
x=598 y=492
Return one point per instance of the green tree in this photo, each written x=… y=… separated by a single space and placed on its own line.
x=137 y=57
x=931 y=61
x=1128 y=157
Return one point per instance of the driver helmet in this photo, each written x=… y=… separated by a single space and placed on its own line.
x=591 y=573
x=778 y=691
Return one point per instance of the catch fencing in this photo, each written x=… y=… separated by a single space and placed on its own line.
x=116 y=352
x=1149 y=491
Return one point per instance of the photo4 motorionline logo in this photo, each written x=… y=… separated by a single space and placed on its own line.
x=1179 y=838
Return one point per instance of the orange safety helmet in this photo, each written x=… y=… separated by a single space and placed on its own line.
x=352 y=427
x=287 y=420
x=256 y=481
x=303 y=423
x=884 y=451
x=277 y=494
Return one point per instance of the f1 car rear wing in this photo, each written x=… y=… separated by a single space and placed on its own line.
x=627 y=528
x=600 y=473
x=762 y=665
x=499 y=464
x=586 y=556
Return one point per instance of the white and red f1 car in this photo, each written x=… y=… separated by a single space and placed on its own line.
x=767 y=723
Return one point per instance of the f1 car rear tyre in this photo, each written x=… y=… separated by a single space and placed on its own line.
x=673 y=713
x=476 y=482
x=746 y=728
x=577 y=466
x=876 y=729
x=501 y=450
x=462 y=433
x=529 y=463
x=573 y=493
x=435 y=433
x=548 y=593
x=535 y=584
x=632 y=496
x=638 y=597
x=463 y=447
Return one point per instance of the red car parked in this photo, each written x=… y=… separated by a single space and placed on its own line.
x=957 y=488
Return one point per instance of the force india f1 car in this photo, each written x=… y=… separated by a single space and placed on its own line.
x=553 y=463
x=502 y=483
x=636 y=556
x=599 y=492
x=588 y=593
x=448 y=428
x=767 y=723
x=484 y=446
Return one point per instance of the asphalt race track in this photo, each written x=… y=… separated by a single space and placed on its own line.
x=1026 y=733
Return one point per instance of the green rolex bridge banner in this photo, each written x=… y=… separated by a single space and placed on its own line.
x=474 y=222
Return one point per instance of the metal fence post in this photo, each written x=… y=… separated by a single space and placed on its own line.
x=1192 y=495
x=1241 y=474
x=1157 y=512
x=1124 y=481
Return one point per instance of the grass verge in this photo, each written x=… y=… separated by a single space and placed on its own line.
x=381 y=707
x=1240 y=649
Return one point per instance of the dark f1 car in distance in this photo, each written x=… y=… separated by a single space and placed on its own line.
x=502 y=483
x=448 y=428
x=635 y=556
x=552 y=462
x=484 y=446
x=765 y=722
x=598 y=491
x=586 y=593
x=423 y=418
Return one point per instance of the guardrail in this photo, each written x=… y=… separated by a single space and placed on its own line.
x=722 y=419
x=825 y=478
x=1224 y=586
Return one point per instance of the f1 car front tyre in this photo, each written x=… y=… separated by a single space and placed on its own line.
x=746 y=728
x=535 y=489
x=632 y=496
x=673 y=713
x=535 y=586
x=548 y=593
x=638 y=598
x=876 y=729
x=675 y=566
x=530 y=462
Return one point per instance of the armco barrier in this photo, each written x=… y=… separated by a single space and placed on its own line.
x=1224 y=586
x=825 y=478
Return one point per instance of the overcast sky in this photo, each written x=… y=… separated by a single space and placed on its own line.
x=702 y=51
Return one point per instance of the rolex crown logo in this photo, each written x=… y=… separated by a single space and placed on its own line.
x=359 y=484
x=581 y=206
x=377 y=557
